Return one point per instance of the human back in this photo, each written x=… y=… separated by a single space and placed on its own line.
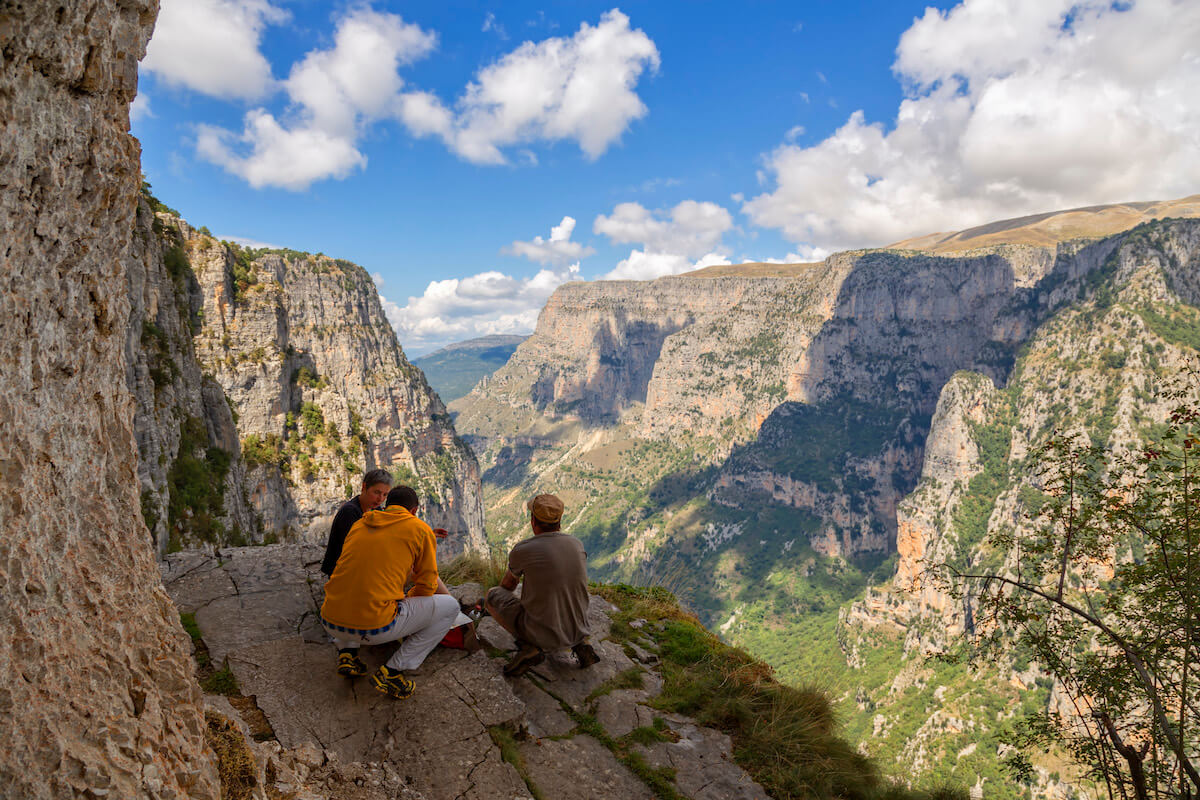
x=380 y=551
x=555 y=594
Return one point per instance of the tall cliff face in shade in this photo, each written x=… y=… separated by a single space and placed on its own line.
x=181 y=412
x=268 y=382
x=96 y=688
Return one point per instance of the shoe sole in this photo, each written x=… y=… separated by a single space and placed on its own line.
x=390 y=689
x=519 y=666
x=351 y=672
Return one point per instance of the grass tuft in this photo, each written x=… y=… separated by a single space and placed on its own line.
x=505 y=739
x=235 y=762
x=632 y=678
x=221 y=682
x=485 y=569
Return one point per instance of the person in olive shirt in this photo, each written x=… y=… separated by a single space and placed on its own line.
x=551 y=612
x=375 y=487
x=366 y=601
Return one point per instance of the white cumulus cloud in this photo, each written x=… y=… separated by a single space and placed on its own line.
x=334 y=93
x=684 y=238
x=558 y=250
x=1011 y=108
x=212 y=46
x=463 y=308
x=580 y=88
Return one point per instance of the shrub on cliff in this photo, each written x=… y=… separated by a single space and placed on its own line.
x=1104 y=592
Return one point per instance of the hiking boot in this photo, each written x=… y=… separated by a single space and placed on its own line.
x=393 y=684
x=350 y=665
x=585 y=654
x=528 y=656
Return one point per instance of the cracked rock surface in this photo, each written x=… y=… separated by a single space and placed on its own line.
x=257 y=611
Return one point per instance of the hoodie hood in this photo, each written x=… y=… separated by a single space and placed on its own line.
x=383 y=517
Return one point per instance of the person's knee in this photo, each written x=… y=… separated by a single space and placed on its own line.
x=445 y=605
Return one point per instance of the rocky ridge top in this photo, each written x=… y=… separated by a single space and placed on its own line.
x=467 y=732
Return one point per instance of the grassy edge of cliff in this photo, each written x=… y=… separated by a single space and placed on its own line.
x=785 y=737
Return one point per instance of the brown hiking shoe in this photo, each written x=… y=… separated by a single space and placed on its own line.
x=527 y=656
x=585 y=654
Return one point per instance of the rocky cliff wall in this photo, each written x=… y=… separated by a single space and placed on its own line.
x=1100 y=369
x=181 y=412
x=96 y=686
x=810 y=390
x=280 y=375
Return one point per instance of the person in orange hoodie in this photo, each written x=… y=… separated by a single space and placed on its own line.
x=365 y=601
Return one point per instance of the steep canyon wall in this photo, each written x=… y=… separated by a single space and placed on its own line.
x=810 y=389
x=96 y=684
x=267 y=383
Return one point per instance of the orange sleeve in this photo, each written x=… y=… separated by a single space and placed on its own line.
x=425 y=568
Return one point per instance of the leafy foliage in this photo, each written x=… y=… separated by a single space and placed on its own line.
x=155 y=204
x=1105 y=595
x=196 y=488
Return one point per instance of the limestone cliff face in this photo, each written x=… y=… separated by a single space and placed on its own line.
x=290 y=365
x=812 y=387
x=96 y=688
x=1094 y=370
x=177 y=405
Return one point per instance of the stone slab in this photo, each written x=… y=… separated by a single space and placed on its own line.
x=467 y=593
x=437 y=738
x=565 y=680
x=580 y=769
x=703 y=763
x=259 y=569
x=490 y=633
x=599 y=621
x=544 y=715
x=621 y=711
x=243 y=620
x=194 y=580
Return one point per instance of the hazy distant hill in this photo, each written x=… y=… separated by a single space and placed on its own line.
x=455 y=369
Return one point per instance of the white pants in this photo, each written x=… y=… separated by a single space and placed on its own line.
x=422 y=621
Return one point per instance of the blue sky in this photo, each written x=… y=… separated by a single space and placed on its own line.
x=473 y=156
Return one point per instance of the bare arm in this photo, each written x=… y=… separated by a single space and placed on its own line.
x=509 y=581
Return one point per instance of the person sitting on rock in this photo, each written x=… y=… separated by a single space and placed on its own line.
x=365 y=598
x=375 y=486
x=551 y=612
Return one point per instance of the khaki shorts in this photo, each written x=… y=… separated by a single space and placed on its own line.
x=507 y=609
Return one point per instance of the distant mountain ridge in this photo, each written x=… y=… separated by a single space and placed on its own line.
x=454 y=370
x=1047 y=229
x=1038 y=230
